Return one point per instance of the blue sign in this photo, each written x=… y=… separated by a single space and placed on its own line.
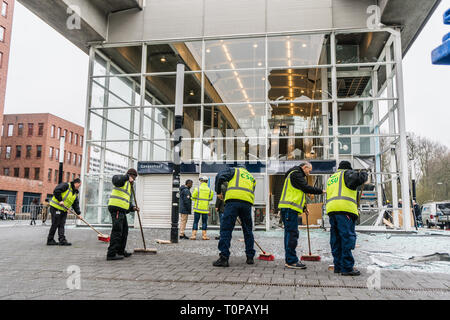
x=441 y=55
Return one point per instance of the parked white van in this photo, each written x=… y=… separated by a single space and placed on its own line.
x=436 y=214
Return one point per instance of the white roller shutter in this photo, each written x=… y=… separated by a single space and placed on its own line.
x=155 y=200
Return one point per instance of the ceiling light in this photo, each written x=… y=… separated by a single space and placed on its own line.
x=304 y=45
x=191 y=92
x=263 y=78
x=163 y=59
x=255 y=46
x=208 y=50
x=259 y=64
x=303 y=91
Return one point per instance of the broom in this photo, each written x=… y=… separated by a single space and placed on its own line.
x=141 y=250
x=264 y=255
x=310 y=257
x=101 y=236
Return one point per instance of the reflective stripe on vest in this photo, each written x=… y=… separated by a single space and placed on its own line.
x=68 y=201
x=237 y=188
x=296 y=196
x=121 y=196
x=342 y=200
x=201 y=203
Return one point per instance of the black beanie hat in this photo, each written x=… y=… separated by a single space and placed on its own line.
x=345 y=165
x=77 y=180
x=132 y=172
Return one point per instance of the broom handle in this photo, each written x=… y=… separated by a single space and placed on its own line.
x=239 y=221
x=81 y=218
x=307 y=228
x=139 y=217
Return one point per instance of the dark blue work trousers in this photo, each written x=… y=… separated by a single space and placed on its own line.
x=197 y=219
x=233 y=210
x=342 y=241
x=290 y=221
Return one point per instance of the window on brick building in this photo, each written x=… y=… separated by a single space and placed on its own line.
x=79 y=160
x=20 y=129
x=68 y=177
x=40 y=129
x=2 y=34
x=30 y=129
x=16 y=172
x=37 y=171
x=4 y=9
x=57 y=155
x=52 y=131
x=65 y=134
x=74 y=159
x=56 y=176
x=49 y=175
x=10 y=130
x=69 y=155
x=1 y=59
x=76 y=139
x=18 y=152
x=70 y=137
x=38 y=151
x=8 y=152
x=26 y=174
x=73 y=176
x=59 y=133
x=81 y=141
x=28 y=154
x=6 y=171
x=51 y=153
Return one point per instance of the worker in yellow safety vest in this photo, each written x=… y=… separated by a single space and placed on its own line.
x=342 y=210
x=239 y=199
x=201 y=198
x=65 y=196
x=120 y=203
x=292 y=204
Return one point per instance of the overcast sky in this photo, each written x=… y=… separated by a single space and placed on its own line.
x=47 y=73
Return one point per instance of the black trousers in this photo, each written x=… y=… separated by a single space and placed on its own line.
x=119 y=233
x=58 y=222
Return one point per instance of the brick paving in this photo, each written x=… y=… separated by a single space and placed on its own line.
x=32 y=270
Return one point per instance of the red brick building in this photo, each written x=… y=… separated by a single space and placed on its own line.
x=29 y=156
x=6 y=16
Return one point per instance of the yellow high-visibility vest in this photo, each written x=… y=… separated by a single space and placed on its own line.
x=339 y=197
x=68 y=197
x=121 y=196
x=291 y=197
x=241 y=186
x=202 y=196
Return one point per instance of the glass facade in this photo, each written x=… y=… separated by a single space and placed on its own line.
x=284 y=97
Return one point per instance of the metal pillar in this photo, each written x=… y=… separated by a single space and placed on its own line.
x=179 y=95
x=393 y=160
x=334 y=96
x=406 y=208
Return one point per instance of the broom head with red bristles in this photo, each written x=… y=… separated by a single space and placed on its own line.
x=104 y=237
x=266 y=256
x=310 y=257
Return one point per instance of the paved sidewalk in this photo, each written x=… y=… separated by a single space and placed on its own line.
x=31 y=270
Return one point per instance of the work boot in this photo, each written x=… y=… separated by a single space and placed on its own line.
x=194 y=235
x=114 y=257
x=217 y=238
x=125 y=254
x=204 y=236
x=250 y=260
x=183 y=236
x=297 y=265
x=354 y=272
x=221 y=262
x=52 y=242
x=64 y=243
